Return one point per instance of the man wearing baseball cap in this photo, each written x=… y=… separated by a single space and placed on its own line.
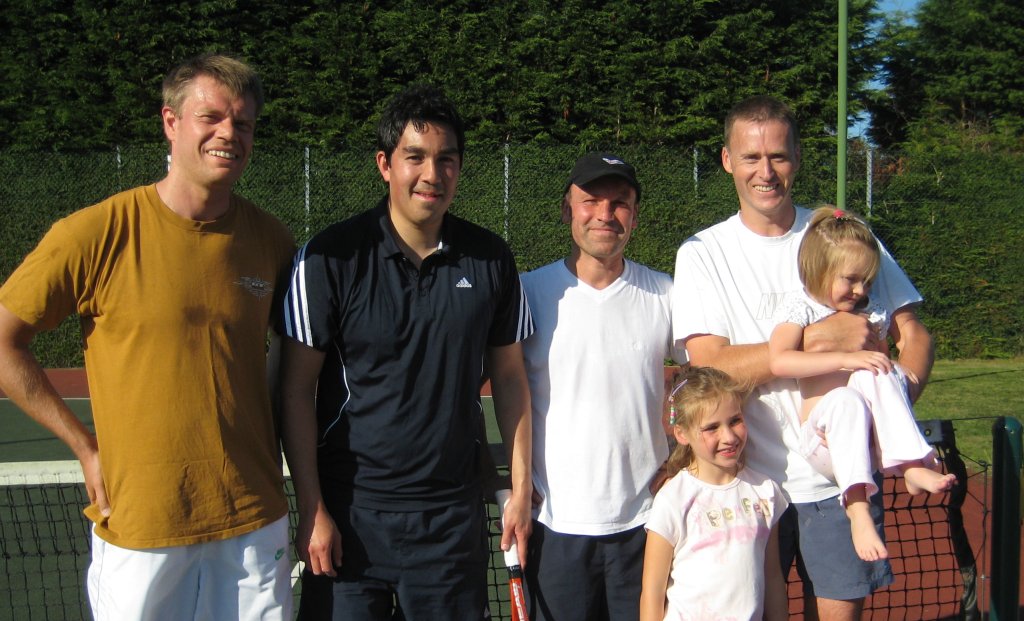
x=595 y=368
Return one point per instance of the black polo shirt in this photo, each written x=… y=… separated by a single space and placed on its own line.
x=398 y=397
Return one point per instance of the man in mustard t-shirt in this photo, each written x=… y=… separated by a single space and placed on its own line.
x=174 y=285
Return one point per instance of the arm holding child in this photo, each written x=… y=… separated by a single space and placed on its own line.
x=840 y=332
x=916 y=350
x=786 y=359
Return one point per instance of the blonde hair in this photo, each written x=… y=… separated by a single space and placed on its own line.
x=830 y=236
x=697 y=394
x=239 y=78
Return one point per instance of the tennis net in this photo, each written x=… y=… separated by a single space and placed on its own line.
x=45 y=539
x=44 y=546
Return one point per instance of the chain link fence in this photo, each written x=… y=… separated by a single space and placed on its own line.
x=515 y=190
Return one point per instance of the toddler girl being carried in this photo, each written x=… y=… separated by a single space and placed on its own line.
x=838 y=260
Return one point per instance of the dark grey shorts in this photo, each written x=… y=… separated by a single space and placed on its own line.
x=817 y=535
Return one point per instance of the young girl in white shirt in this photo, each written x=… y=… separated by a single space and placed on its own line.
x=712 y=541
x=838 y=260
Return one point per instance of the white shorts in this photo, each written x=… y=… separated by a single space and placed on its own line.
x=244 y=577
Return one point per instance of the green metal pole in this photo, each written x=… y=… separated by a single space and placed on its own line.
x=841 y=120
x=1006 y=519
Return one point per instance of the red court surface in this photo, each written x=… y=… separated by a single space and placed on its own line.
x=70 y=383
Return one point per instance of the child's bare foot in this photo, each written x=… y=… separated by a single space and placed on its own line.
x=866 y=542
x=921 y=479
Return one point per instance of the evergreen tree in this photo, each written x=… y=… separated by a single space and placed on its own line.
x=86 y=73
x=960 y=67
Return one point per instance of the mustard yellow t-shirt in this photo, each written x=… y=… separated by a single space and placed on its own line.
x=174 y=318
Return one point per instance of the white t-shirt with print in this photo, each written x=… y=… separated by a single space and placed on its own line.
x=719 y=534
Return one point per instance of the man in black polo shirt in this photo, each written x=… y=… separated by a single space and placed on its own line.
x=392 y=317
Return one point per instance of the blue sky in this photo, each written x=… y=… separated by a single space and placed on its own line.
x=886 y=6
x=889 y=6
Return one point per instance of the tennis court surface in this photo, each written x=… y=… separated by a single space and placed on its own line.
x=937 y=543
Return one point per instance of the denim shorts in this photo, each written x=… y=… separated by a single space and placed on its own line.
x=817 y=535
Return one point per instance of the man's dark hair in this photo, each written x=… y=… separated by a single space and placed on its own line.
x=418 y=104
x=761 y=109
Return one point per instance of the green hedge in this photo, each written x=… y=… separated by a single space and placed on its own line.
x=950 y=219
x=956 y=224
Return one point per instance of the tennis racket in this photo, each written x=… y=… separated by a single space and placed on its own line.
x=517 y=598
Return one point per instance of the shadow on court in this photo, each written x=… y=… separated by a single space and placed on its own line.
x=25 y=440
